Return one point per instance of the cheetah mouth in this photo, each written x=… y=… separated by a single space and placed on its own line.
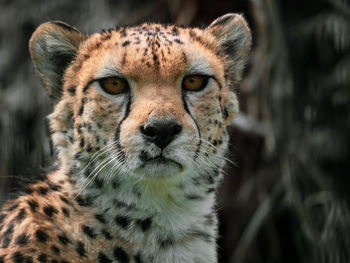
x=161 y=160
x=160 y=163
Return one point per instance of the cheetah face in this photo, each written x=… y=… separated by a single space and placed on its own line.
x=144 y=102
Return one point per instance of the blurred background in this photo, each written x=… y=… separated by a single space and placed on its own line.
x=287 y=197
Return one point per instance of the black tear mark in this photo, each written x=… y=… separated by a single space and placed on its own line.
x=197 y=126
x=117 y=132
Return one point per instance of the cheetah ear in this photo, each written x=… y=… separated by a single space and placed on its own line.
x=53 y=46
x=234 y=38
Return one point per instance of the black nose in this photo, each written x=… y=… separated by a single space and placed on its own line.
x=161 y=132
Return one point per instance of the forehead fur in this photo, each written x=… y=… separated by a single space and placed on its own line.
x=149 y=52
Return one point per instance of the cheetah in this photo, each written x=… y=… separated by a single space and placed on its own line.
x=140 y=127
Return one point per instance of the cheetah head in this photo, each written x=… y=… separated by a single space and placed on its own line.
x=149 y=101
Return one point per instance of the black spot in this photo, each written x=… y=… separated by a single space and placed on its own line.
x=11 y=208
x=155 y=57
x=89 y=126
x=215 y=142
x=64 y=261
x=178 y=41
x=42 y=258
x=138 y=258
x=175 y=31
x=1 y=259
x=80 y=249
x=193 y=197
x=43 y=190
x=41 y=236
x=123 y=33
x=2 y=217
x=100 y=218
x=88 y=231
x=54 y=261
x=21 y=214
x=17 y=257
x=166 y=242
x=211 y=190
x=106 y=234
x=199 y=234
x=65 y=211
x=7 y=237
x=84 y=201
x=115 y=184
x=63 y=239
x=98 y=183
x=50 y=210
x=81 y=110
x=56 y=250
x=64 y=200
x=102 y=258
x=79 y=128
x=123 y=221
x=121 y=255
x=71 y=90
x=126 y=43
x=145 y=224
x=21 y=239
x=82 y=142
x=53 y=187
x=89 y=148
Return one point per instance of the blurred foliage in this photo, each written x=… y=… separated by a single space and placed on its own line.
x=285 y=197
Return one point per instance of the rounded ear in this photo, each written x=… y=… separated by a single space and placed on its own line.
x=52 y=47
x=234 y=38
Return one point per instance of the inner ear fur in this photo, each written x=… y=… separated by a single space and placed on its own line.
x=53 y=46
x=234 y=39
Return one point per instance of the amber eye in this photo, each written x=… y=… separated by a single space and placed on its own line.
x=113 y=85
x=195 y=82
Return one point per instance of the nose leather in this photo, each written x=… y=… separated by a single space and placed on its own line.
x=161 y=132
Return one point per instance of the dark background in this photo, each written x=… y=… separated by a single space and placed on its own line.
x=286 y=198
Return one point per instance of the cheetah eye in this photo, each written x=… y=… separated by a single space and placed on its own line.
x=114 y=85
x=195 y=82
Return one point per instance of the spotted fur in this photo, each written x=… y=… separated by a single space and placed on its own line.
x=111 y=199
